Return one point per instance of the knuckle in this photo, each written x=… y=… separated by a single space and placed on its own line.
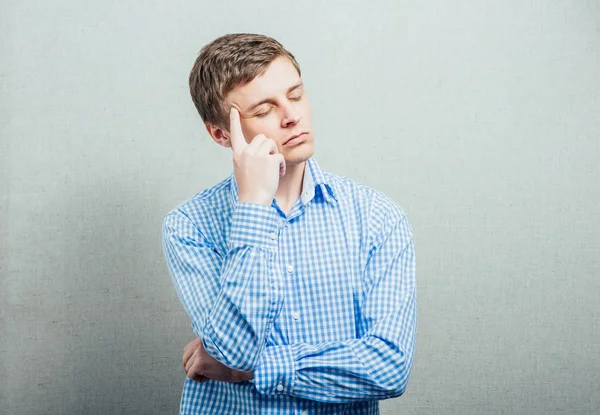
x=237 y=157
x=200 y=369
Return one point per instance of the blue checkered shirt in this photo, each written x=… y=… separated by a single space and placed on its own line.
x=320 y=303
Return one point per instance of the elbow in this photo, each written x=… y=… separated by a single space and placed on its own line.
x=395 y=387
x=398 y=389
x=396 y=382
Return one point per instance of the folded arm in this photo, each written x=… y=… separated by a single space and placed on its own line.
x=377 y=364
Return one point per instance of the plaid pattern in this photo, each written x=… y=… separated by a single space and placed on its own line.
x=320 y=304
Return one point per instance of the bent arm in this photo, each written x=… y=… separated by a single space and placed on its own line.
x=373 y=367
x=232 y=299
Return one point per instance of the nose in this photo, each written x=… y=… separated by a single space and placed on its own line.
x=290 y=116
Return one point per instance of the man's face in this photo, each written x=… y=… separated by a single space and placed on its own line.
x=276 y=105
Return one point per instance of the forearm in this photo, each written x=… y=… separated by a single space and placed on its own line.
x=235 y=330
x=231 y=297
x=249 y=297
x=374 y=367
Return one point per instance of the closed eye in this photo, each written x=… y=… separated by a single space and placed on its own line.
x=262 y=114
x=265 y=113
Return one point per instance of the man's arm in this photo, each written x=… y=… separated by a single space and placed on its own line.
x=232 y=299
x=376 y=365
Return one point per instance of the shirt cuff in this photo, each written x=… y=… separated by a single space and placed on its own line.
x=253 y=224
x=274 y=374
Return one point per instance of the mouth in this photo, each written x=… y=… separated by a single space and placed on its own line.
x=295 y=139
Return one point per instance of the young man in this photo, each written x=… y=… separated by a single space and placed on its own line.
x=300 y=284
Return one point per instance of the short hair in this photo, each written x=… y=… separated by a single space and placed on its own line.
x=224 y=64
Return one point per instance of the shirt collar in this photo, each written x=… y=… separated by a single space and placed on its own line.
x=314 y=178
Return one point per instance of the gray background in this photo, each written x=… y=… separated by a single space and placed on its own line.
x=481 y=119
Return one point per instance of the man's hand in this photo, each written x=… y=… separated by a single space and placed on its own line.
x=200 y=366
x=257 y=166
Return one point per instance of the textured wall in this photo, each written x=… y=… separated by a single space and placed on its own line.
x=480 y=120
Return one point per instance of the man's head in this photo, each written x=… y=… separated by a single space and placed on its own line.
x=262 y=80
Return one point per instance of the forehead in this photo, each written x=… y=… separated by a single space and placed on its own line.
x=279 y=76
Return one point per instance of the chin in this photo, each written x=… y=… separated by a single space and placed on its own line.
x=299 y=154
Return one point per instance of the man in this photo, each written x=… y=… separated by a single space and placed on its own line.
x=300 y=284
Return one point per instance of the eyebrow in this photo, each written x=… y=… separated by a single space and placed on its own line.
x=271 y=100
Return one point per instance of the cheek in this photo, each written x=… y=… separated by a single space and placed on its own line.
x=265 y=126
x=306 y=110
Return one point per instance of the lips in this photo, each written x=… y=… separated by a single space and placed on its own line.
x=295 y=138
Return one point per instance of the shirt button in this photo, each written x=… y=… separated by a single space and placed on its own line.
x=305 y=412
x=290 y=268
x=280 y=387
x=296 y=315
x=273 y=235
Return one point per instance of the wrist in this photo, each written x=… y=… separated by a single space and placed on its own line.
x=253 y=224
x=255 y=199
x=243 y=376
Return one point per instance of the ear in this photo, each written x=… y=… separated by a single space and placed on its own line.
x=219 y=135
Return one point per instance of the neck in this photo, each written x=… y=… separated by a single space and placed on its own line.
x=290 y=185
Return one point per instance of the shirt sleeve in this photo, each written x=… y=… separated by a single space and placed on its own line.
x=373 y=367
x=232 y=299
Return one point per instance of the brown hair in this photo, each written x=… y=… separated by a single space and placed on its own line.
x=224 y=64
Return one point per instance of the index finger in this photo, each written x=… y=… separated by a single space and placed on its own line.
x=235 y=128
